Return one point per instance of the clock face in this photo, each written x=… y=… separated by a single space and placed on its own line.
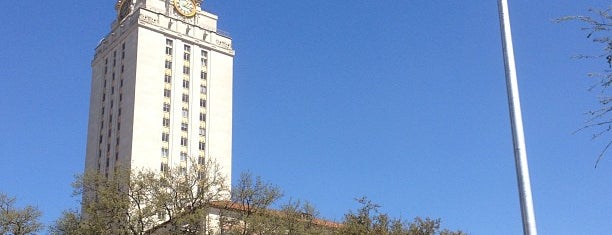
x=185 y=7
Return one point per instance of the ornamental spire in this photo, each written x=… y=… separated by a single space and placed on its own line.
x=119 y=3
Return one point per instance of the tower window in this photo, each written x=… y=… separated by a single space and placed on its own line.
x=185 y=112
x=184 y=126
x=185 y=83
x=184 y=141
x=203 y=75
x=168 y=64
x=183 y=156
x=164 y=167
x=185 y=98
x=202 y=145
x=203 y=89
x=202 y=103
x=186 y=70
x=164 y=152
x=168 y=78
x=202 y=117
x=167 y=92
x=202 y=131
x=166 y=122
x=165 y=137
x=201 y=160
x=166 y=107
x=204 y=58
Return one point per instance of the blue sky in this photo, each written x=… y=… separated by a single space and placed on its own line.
x=400 y=101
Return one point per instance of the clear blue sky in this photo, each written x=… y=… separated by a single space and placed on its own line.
x=400 y=101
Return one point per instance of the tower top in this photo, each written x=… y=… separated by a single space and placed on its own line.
x=185 y=8
x=119 y=3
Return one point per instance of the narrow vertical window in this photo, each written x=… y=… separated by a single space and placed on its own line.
x=183 y=156
x=184 y=126
x=164 y=152
x=185 y=112
x=184 y=141
x=165 y=137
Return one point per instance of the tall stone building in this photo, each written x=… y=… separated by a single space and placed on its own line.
x=161 y=89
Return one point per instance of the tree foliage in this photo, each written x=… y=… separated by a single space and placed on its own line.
x=368 y=220
x=135 y=202
x=252 y=196
x=251 y=214
x=183 y=201
x=18 y=221
x=69 y=223
x=598 y=25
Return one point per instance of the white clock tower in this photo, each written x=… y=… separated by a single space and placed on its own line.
x=161 y=89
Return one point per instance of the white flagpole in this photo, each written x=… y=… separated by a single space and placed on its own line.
x=518 y=137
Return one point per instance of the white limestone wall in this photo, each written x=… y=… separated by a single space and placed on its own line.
x=220 y=110
x=148 y=101
x=93 y=126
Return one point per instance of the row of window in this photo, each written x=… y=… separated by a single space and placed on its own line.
x=166 y=106
x=186 y=53
x=185 y=98
x=112 y=91
x=166 y=135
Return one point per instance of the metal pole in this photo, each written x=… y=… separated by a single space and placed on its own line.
x=518 y=137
